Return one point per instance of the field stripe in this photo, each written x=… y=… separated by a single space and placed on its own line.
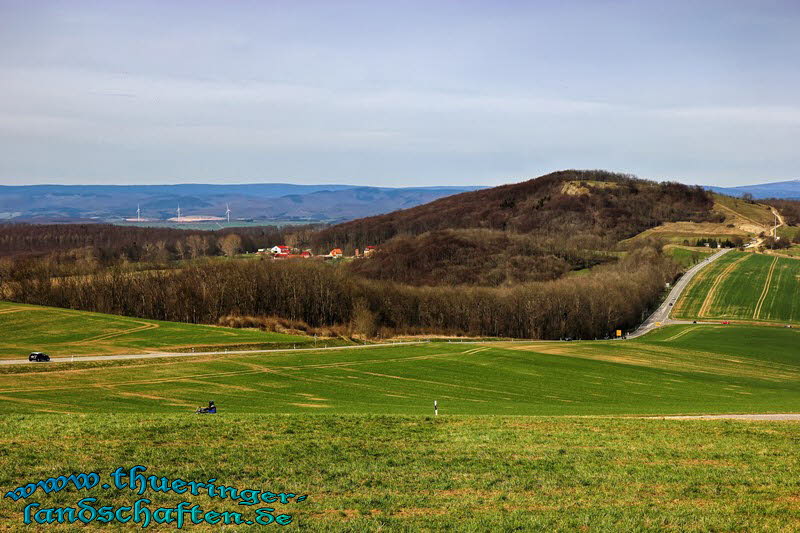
x=757 y=312
x=7 y=310
x=712 y=292
x=106 y=336
x=681 y=333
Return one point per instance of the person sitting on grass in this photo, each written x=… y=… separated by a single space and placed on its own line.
x=211 y=409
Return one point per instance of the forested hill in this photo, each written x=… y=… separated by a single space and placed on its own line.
x=571 y=202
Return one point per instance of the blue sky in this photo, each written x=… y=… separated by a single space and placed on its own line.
x=397 y=93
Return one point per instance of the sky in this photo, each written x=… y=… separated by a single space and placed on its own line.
x=397 y=93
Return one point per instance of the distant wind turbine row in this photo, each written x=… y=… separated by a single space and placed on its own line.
x=182 y=218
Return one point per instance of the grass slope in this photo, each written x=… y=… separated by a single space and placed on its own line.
x=679 y=369
x=754 y=213
x=687 y=256
x=59 y=332
x=744 y=286
x=365 y=473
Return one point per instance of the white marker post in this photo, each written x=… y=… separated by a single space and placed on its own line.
x=435 y=408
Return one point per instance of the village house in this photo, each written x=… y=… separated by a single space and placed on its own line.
x=304 y=255
x=280 y=249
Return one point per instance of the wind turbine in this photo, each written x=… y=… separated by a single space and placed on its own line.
x=138 y=213
x=179 y=212
x=228 y=212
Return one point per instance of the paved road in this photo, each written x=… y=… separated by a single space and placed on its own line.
x=153 y=355
x=661 y=315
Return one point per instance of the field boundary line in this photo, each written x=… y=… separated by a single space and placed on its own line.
x=765 y=291
x=12 y=310
x=712 y=292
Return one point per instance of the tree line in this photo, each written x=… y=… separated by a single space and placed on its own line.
x=613 y=296
x=109 y=244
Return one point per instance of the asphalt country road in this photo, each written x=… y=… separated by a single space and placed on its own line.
x=154 y=355
x=661 y=316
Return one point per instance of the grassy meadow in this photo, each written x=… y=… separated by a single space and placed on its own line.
x=450 y=473
x=744 y=286
x=678 y=369
x=687 y=256
x=747 y=212
x=793 y=251
x=788 y=232
x=64 y=332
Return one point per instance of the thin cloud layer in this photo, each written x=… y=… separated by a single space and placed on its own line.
x=411 y=94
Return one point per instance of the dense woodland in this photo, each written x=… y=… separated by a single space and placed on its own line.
x=495 y=262
x=480 y=257
x=325 y=295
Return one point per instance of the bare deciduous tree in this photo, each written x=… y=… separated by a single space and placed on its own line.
x=230 y=244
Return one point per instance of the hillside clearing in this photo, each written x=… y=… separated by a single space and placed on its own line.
x=686 y=256
x=741 y=220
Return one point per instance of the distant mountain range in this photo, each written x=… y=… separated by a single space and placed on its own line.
x=779 y=189
x=267 y=202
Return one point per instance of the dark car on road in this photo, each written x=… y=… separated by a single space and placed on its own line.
x=38 y=357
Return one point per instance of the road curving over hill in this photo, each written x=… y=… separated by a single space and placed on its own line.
x=661 y=315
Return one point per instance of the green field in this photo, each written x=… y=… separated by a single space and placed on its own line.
x=678 y=369
x=744 y=286
x=533 y=435
x=398 y=473
x=379 y=460
x=63 y=332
